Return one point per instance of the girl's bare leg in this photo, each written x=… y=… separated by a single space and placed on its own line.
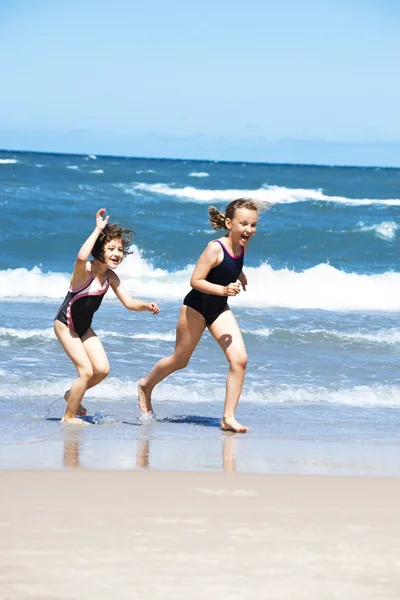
x=75 y=350
x=97 y=356
x=99 y=361
x=73 y=347
x=189 y=330
x=227 y=333
x=82 y=411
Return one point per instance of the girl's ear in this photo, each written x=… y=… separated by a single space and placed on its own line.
x=228 y=223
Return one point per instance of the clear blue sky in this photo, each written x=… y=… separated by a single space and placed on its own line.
x=293 y=81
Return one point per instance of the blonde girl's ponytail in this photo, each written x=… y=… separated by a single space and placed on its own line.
x=217 y=218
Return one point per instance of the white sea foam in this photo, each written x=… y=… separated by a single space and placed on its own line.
x=363 y=395
x=385 y=230
x=21 y=283
x=8 y=161
x=263 y=332
x=7 y=333
x=25 y=334
x=320 y=287
x=199 y=174
x=202 y=391
x=73 y=167
x=141 y=171
x=382 y=336
x=159 y=336
x=273 y=194
x=97 y=171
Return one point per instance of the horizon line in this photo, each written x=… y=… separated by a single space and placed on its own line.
x=198 y=160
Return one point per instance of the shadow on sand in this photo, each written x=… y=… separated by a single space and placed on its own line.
x=192 y=420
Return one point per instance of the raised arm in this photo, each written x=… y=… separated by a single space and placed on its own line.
x=210 y=258
x=87 y=247
x=129 y=302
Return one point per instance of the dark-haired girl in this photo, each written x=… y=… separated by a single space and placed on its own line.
x=90 y=281
x=217 y=275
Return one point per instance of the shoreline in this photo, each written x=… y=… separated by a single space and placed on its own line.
x=82 y=534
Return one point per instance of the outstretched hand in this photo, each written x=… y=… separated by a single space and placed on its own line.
x=153 y=308
x=100 y=222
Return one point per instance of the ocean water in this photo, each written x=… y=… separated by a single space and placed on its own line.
x=320 y=318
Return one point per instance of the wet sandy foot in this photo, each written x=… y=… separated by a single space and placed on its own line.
x=230 y=424
x=74 y=421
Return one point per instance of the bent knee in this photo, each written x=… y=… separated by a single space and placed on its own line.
x=239 y=362
x=86 y=373
x=102 y=372
x=181 y=362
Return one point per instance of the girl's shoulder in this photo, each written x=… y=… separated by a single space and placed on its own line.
x=113 y=278
x=216 y=244
x=80 y=277
x=214 y=253
x=215 y=247
x=111 y=275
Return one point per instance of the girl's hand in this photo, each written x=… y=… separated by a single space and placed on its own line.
x=153 y=308
x=243 y=280
x=100 y=223
x=232 y=289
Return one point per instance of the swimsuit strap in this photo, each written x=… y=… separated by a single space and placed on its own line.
x=227 y=251
x=85 y=285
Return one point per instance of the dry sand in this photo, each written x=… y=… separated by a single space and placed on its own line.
x=72 y=535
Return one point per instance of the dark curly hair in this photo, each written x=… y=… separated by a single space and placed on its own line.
x=218 y=218
x=112 y=231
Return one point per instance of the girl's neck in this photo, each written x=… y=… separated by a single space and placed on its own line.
x=235 y=250
x=98 y=268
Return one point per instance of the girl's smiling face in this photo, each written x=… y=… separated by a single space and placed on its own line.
x=113 y=253
x=242 y=226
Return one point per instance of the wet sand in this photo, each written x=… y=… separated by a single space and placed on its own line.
x=80 y=534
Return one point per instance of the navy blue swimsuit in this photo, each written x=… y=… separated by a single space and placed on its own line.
x=209 y=305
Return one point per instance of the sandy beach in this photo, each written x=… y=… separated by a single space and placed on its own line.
x=79 y=534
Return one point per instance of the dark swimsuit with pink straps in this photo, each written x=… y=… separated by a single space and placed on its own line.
x=209 y=305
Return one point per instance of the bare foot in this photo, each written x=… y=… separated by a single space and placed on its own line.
x=144 y=398
x=230 y=424
x=82 y=412
x=74 y=421
x=147 y=417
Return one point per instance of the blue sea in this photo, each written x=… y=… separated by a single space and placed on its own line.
x=320 y=317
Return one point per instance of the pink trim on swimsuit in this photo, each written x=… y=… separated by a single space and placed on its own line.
x=101 y=291
x=88 y=282
x=227 y=251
